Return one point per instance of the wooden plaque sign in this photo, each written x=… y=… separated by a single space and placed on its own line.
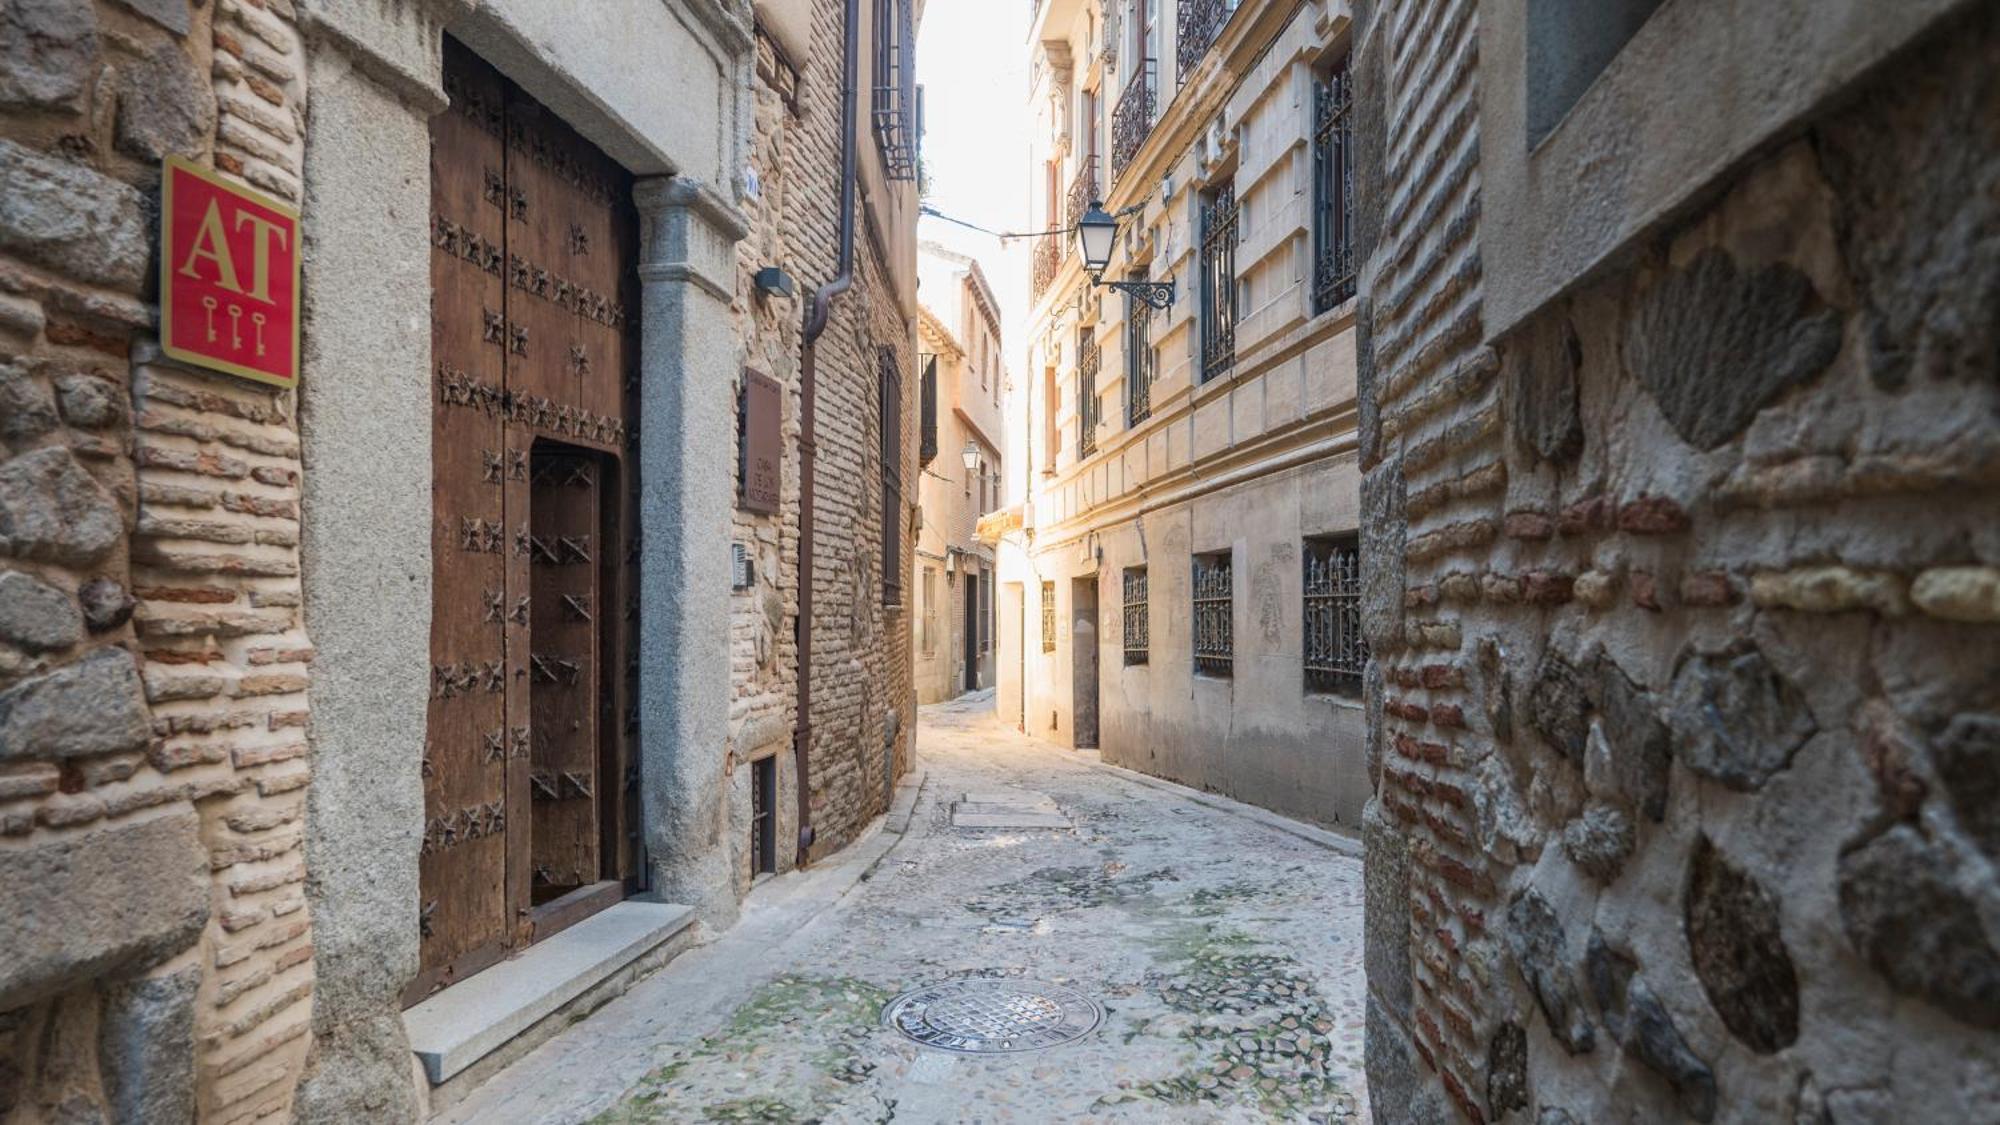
x=762 y=456
x=229 y=276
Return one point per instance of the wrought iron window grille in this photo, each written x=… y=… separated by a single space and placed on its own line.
x=1048 y=617
x=927 y=446
x=1335 y=653
x=1333 y=188
x=1140 y=359
x=1219 y=214
x=1048 y=256
x=1083 y=190
x=890 y=408
x=1138 y=632
x=1087 y=358
x=898 y=102
x=1214 y=625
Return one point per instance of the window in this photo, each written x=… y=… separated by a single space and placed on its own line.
x=1051 y=429
x=1086 y=392
x=927 y=449
x=1570 y=42
x=1218 y=280
x=898 y=102
x=1333 y=187
x=1199 y=23
x=1214 y=626
x=890 y=407
x=927 y=622
x=764 y=815
x=1335 y=654
x=1138 y=635
x=1140 y=358
x=1048 y=617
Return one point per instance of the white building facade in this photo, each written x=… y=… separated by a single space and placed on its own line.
x=1185 y=598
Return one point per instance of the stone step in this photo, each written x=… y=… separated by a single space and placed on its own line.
x=468 y=1021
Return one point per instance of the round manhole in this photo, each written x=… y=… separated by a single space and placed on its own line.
x=981 y=1017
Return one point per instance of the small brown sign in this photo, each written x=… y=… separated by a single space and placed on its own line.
x=759 y=411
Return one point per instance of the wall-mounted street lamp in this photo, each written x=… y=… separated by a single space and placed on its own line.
x=1097 y=231
x=971 y=456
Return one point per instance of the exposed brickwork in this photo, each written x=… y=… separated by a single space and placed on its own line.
x=1661 y=696
x=165 y=591
x=863 y=704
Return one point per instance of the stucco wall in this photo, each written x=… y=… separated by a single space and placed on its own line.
x=1682 y=592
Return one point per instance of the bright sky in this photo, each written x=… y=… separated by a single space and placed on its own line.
x=974 y=69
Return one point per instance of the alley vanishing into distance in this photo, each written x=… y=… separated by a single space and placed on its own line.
x=1223 y=945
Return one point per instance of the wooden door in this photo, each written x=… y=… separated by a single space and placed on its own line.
x=527 y=790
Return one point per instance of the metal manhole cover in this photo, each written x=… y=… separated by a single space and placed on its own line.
x=982 y=1017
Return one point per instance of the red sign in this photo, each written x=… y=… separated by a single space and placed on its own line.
x=229 y=276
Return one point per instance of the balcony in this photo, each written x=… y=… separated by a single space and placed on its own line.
x=1083 y=191
x=1047 y=258
x=1132 y=118
x=1200 y=21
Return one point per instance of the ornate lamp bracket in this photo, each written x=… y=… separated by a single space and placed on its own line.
x=1158 y=294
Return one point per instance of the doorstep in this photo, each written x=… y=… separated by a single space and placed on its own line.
x=470 y=1020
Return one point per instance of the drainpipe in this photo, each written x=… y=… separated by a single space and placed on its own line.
x=816 y=317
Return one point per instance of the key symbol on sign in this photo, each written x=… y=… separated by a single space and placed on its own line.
x=211 y=304
x=236 y=326
x=258 y=319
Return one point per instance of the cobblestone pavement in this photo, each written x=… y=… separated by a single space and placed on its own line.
x=1225 y=951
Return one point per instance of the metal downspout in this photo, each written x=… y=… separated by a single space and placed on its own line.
x=817 y=311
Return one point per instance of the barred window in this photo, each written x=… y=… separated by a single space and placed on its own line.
x=1214 y=627
x=1140 y=358
x=890 y=406
x=1087 y=356
x=1218 y=279
x=1333 y=187
x=1138 y=634
x=929 y=619
x=985 y=610
x=899 y=101
x=1048 y=617
x=1335 y=654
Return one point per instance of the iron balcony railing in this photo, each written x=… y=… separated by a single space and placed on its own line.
x=1047 y=258
x=1083 y=190
x=1199 y=21
x=1132 y=118
x=1087 y=357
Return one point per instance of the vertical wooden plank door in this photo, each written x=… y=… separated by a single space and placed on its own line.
x=527 y=779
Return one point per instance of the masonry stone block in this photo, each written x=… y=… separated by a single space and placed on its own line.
x=89 y=402
x=1559 y=705
x=1636 y=1018
x=145 y=1047
x=1383 y=539
x=93 y=706
x=1386 y=880
x=1641 y=747
x=1735 y=718
x=105 y=603
x=170 y=14
x=165 y=106
x=36 y=615
x=72 y=219
x=1912 y=166
x=1599 y=840
x=1398 y=1089
x=1540 y=948
x=26 y=411
x=1507 y=1070
x=1904 y=910
x=1543 y=359
x=46 y=51
x=1715 y=344
x=1967 y=757
x=112 y=900
x=51 y=509
x=1738 y=952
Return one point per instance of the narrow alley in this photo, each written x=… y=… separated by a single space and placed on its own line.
x=1223 y=945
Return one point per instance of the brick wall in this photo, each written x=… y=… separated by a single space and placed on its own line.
x=1683 y=596
x=863 y=698
x=152 y=661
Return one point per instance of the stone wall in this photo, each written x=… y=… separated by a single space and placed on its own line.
x=1684 y=598
x=863 y=699
x=154 y=666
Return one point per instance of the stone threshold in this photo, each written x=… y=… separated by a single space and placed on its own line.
x=465 y=1023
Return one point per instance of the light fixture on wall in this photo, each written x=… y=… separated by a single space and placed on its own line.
x=971 y=456
x=1097 y=232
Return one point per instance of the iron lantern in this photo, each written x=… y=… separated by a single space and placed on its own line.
x=1096 y=234
x=971 y=456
